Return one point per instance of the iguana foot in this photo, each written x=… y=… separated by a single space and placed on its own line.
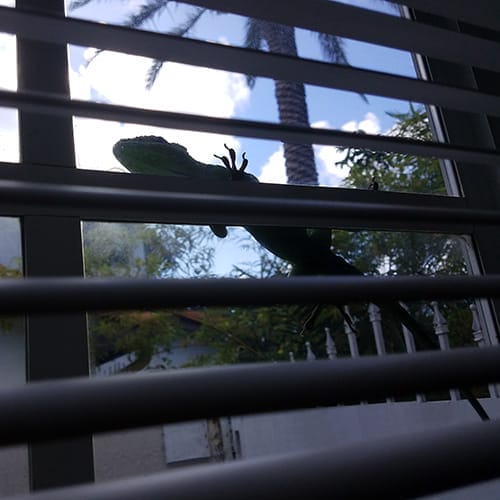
x=236 y=173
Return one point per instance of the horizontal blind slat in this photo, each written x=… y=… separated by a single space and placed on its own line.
x=391 y=468
x=54 y=408
x=368 y=26
x=247 y=128
x=223 y=57
x=255 y=209
x=64 y=295
x=485 y=13
x=216 y=202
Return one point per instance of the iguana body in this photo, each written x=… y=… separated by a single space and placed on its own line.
x=308 y=251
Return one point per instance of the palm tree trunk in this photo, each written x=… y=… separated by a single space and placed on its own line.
x=292 y=107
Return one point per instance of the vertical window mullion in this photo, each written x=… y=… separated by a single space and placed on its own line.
x=479 y=183
x=56 y=345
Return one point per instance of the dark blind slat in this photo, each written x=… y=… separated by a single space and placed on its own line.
x=368 y=26
x=46 y=409
x=244 y=61
x=49 y=295
x=55 y=104
x=485 y=13
x=247 y=209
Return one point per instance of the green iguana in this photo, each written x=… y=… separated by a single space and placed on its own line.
x=308 y=251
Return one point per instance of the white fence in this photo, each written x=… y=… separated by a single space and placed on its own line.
x=440 y=327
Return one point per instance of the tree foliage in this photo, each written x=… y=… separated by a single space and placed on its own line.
x=408 y=253
x=9 y=323
x=141 y=250
x=259 y=34
x=259 y=334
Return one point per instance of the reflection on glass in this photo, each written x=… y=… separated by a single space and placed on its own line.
x=208 y=25
x=9 y=135
x=269 y=161
x=141 y=341
x=165 y=339
x=169 y=86
x=13 y=460
x=11 y=328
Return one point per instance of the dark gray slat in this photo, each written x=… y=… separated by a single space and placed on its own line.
x=45 y=410
x=395 y=467
x=233 y=209
x=246 y=128
x=368 y=26
x=223 y=57
x=484 y=13
x=143 y=185
x=64 y=295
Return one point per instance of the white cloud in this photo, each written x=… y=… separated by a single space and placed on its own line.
x=8 y=75
x=274 y=171
x=119 y=78
x=329 y=174
x=9 y=142
x=326 y=156
x=370 y=124
x=9 y=137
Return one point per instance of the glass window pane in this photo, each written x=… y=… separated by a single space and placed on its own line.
x=152 y=340
x=13 y=460
x=9 y=136
x=112 y=77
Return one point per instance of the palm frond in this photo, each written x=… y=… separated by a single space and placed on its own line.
x=333 y=50
x=147 y=12
x=181 y=30
x=253 y=40
x=184 y=28
x=77 y=4
x=94 y=55
x=152 y=73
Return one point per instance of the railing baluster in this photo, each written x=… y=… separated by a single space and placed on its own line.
x=351 y=336
x=376 y=321
x=441 y=330
x=310 y=354
x=410 y=348
x=477 y=334
x=331 y=348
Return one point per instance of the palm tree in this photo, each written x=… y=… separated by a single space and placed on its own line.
x=290 y=96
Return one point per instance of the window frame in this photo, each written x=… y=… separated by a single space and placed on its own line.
x=41 y=229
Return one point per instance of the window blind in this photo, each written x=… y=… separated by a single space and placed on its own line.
x=55 y=295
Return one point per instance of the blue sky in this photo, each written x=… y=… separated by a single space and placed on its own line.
x=115 y=78
x=118 y=78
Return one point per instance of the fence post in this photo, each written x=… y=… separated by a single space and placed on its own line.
x=410 y=347
x=331 y=349
x=291 y=356
x=310 y=355
x=351 y=336
x=477 y=330
x=376 y=321
x=441 y=330
x=477 y=334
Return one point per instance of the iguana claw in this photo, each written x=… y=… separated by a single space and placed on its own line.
x=236 y=173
